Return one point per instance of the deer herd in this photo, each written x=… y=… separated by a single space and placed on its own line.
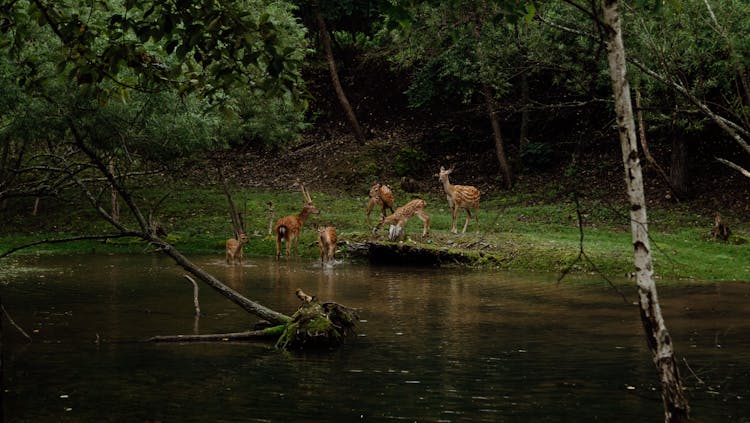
x=288 y=228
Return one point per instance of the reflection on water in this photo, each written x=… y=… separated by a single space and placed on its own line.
x=435 y=345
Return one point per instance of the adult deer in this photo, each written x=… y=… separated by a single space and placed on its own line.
x=288 y=228
x=382 y=196
x=398 y=219
x=460 y=197
x=234 y=248
x=327 y=242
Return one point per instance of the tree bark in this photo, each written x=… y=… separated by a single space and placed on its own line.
x=679 y=178
x=659 y=341
x=523 y=137
x=498 y=138
x=257 y=309
x=646 y=150
x=343 y=100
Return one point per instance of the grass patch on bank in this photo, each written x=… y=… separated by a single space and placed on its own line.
x=512 y=233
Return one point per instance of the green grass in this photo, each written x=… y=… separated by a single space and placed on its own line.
x=514 y=232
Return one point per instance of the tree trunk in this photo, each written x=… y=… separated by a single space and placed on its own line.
x=658 y=339
x=343 y=100
x=525 y=96
x=114 y=205
x=678 y=171
x=498 y=137
x=647 y=151
x=257 y=309
x=523 y=138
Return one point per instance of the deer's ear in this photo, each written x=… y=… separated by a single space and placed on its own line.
x=442 y=169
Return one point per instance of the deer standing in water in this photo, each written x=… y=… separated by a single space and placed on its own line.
x=327 y=242
x=460 y=197
x=234 y=248
x=398 y=219
x=380 y=195
x=288 y=228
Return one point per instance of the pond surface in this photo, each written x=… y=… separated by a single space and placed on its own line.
x=435 y=345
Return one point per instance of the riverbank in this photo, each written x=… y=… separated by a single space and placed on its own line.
x=519 y=231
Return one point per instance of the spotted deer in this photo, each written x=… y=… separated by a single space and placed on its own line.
x=460 y=197
x=398 y=219
x=288 y=228
x=382 y=196
x=234 y=248
x=327 y=242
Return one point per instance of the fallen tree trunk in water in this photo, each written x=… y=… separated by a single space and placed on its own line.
x=313 y=326
x=316 y=325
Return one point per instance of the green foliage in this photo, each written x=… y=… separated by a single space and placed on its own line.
x=410 y=161
x=708 y=56
x=141 y=85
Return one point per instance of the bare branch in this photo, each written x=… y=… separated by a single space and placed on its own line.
x=195 y=295
x=13 y=322
x=734 y=166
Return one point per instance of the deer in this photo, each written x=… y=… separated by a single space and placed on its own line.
x=288 y=228
x=398 y=219
x=380 y=195
x=327 y=242
x=460 y=197
x=234 y=248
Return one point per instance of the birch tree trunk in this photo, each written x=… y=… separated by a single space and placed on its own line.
x=657 y=336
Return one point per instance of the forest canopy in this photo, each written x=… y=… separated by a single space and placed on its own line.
x=147 y=82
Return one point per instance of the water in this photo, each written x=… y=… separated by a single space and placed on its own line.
x=435 y=345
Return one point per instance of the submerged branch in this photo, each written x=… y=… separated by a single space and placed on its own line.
x=254 y=335
x=195 y=295
x=13 y=322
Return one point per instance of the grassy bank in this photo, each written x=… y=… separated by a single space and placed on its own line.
x=515 y=232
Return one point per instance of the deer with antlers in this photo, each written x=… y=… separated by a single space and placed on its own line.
x=460 y=197
x=288 y=228
x=382 y=196
x=234 y=248
x=327 y=242
x=398 y=219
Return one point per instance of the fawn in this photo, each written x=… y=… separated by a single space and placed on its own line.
x=288 y=228
x=460 y=197
x=382 y=196
x=398 y=219
x=234 y=248
x=327 y=242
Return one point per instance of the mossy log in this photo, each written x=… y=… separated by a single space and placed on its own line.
x=316 y=325
x=312 y=326
x=402 y=253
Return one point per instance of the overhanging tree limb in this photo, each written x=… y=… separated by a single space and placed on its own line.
x=736 y=132
x=69 y=239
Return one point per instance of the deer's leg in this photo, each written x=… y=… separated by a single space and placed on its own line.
x=455 y=217
x=425 y=218
x=295 y=240
x=369 y=209
x=466 y=223
x=278 y=246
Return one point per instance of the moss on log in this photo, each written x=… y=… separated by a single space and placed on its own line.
x=316 y=326
x=398 y=253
